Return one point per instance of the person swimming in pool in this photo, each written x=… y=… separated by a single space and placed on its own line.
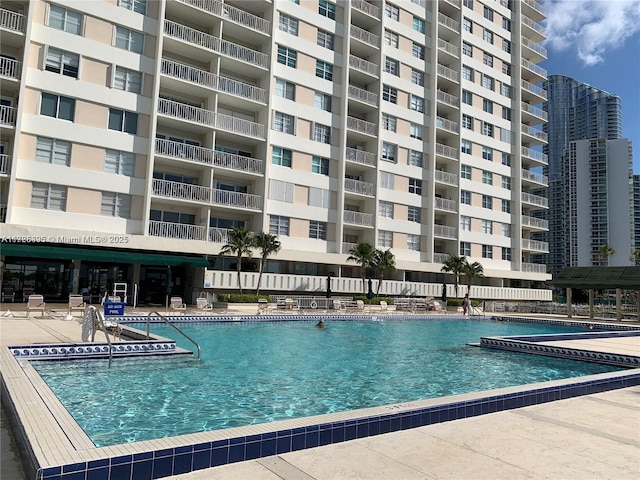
x=320 y=324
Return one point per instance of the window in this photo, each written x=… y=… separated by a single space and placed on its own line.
x=52 y=150
x=468 y=3
x=487 y=177
x=488 y=13
x=465 y=197
x=487 y=227
x=506 y=230
x=391 y=38
x=392 y=12
x=284 y=123
x=327 y=9
x=281 y=156
x=391 y=66
x=48 y=197
x=321 y=133
x=467 y=25
x=465 y=146
x=120 y=163
x=388 y=152
x=506 y=24
x=487 y=251
x=129 y=40
x=488 y=82
x=389 y=94
x=297 y=2
x=417 y=77
x=413 y=242
x=319 y=197
x=65 y=20
x=506 y=254
x=417 y=104
x=387 y=180
x=506 y=45
x=137 y=6
x=317 y=230
x=506 y=182
x=488 y=36
x=506 y=113
x=467 y=97
x=279 y=225
x=415 y=186
x=465 y=171
x=385 y=209
x=323 y=101
x=385 y=239
x=465 y=223
x=487 y=153
x=288 y=24
x=287 y=56
x=487 y=129
x=506 y=206
x=285 y=89
x=467 y=121
x=324 y=70
x=418 y=24
x=320 y=165
x=127 y=80
x=487 y=201
x=281 y=191
x=115 y=205
x=506 y=68
x=417 y=51
x=413 y=214
x=389 y=122
x=505 y=90
x=506 y=159
x=123 y=121
x=57 y=106
x=487 y=59
x=487 y=105
x=467 y=73
x=415 y=158
x=415 y=131
x=326 y=39
x=465 y=249
x=467 y=49
x=62 y=62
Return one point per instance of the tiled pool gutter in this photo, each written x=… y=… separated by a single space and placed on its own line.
x=55 y=448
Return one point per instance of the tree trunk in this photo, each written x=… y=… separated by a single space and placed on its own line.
x=239 y=269
x=380 y=278
x=262 y=262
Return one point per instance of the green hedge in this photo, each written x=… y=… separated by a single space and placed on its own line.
x=244 y=298
x=374 y=300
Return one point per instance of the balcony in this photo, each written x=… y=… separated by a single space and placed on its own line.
x=209 y=157
x=358 y=218
x=535 y=177
x=455 y=3
x=5 y=164
x=534 y=89
x=535 y=9
x=538 y=52
x=537 y=200
x=447 y=125
x=363 y=96
x=445 y=205
x=364 y=36
x=219 y=235
x=360 y=156
x=359 y=187
x=444 y=231
x=366 y=7
x=208 y=118
x=200 y=194
x=535 y=111
x=533 y=267
x=535 y=29
x=363 y=65
x=446 y=177
x=233 y=14
x=539 y=73
x=347 y=247
x=535 y=155
x=448 y=22
x=215 y=44
x=181 y=231
x=440 y=257
x=450 y=48
x=535 y=223
x=535 y=245
x=362 y=126
x=10 y=68
x=447 y=151
x=210 y=80
x=447 y=98
x=8 y=116
x=534 y=133
x=448 y=73
x=10 y=20
x=236 y=199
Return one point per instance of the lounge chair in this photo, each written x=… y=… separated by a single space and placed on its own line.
x=76 y=303
x=8 y=294
x=383 y=306
x=203 y=304
x=35 y=302
x=263 y=305
x=359 y=304
x=177 y=305
x=290 y=304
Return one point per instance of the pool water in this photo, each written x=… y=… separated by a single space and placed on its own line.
x=261 y=372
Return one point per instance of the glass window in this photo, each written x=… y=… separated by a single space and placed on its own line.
x=57 y=106
x=487 y=251
x=506 y=230
x=487 y=153
x=326 y=39
x=418 y=24
x=487 y=177
x=506 y=113
x=387 y=180
x=465 y=223
x=138 y=6
x=413 y=214
x=487 y=59
x=465 y=171
x=506 y=254
x=468 y=3
x=321 y=133
x=320 y=165
x=467 y=49
x=506 y=159
x=123 y=121
x=284 y=123
x=467 y=73
x=465 y=146
x=415 y=186
x=488 y=13
x=415 y=158
x=506 y=206
x=385 y=209
x=281 y=156
x=319 y=197
x=488 y=82
x=63 y=19
x=129 y=40
x=487 y=227
x=288 y=24
x=285 y=89
x=417 y=103
x=467 y=121
x=389 y=122
x=327 y=9
x=388 y=152
x=506 y=24
x=487 y=105
x=506 y=68
x=417 y=50
x=467 y=97
x=389 y=94
x=487 y=129
x=506 y=182
x=391 y=66
x=488 y=36
x=391 y=38
x=127 y=80
x=413 y=242
x=506 y=46
x=385 y=239
x=392 y=12
x=487 y=201
x=465 y=197
x=317 y=230
x=287 y=56
x=48 y=197
x=415 y=131
x=417 y=77
x=465 y=249
x=505 y=90
x=52 y=150
x=120 y=163
x=324 y=70
x=323 y=101
x=467 y=25
x=62 y=62
x=279 y=225
x=115 y=205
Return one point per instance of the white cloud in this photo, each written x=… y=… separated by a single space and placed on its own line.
x=591 y=27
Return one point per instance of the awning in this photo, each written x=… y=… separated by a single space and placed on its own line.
x=598 y=278
x=102 y=255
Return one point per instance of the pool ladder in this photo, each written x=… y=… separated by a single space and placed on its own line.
x=162 y=317
x=92 y=314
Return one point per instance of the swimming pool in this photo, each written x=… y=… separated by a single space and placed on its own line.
x=261 y=372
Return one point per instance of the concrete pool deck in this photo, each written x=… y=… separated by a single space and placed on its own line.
x=593 y=436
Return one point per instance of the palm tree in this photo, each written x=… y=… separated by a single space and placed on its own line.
x=455 y=265
x=268 y=244
x=471 y=271
x=362 y=254
x=385 y=262
x=604 y=252
x=635 y=257
x=239 y=243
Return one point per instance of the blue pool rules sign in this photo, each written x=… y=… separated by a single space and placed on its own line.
x=113 y=308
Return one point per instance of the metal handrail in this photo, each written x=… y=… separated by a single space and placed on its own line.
x=174 y=327
x=98 y=321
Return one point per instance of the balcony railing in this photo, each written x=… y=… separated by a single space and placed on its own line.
x=207 y=156
x=233 y=14
x=533 y=25
x=5 y=164
x=535 y=155
x=236 y=199
x=446 y=124
x=215 y=44
x=182 y=191
x=538 y=112
x=182 y=231
x=447 y=73
x=362 y=126
x=11 y=20
x=447 y=151
x=365 y=36
x=446 y=177
x=535 y=89
x=347 y=247
x=534 y=68
x=444 y=231
x=448 y=47
x=535 y=245
x=534 y=132
x=363 y=65
x=445 y=204
x=10 y=68
x=360 y=156
x=536 y=47
x=212 y=119
x=535 y=222
x=211 y=80
x=440 y=257
x=447 y=98
x=535 y=199
x=448 y=22
x=533 y=267
x=8 y=115
x=535 y=177
x=358 y=218
x=363 y=95
x=358 y=186
x=366 y=7
x=455 y=3
x=535 y=5
x=219 y=235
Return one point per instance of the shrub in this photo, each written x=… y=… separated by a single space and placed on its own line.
x=244 y=298
x=374 y=300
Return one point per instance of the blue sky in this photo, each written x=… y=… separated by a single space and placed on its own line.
x=598 y=42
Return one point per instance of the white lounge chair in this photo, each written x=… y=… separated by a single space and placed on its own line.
x=177 y=305
x=76 y=303
x=203 y=304
x=35 y=302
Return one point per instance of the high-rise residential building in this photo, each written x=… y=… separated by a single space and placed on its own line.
x=597 y=177
x=636 y=212
x=136 y=133
x=576 y=111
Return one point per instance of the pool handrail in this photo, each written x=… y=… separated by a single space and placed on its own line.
x=174 y=327
x=98 y=321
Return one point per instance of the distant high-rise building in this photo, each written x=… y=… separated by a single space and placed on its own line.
x=636 y=212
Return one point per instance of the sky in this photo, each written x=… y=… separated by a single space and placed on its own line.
x=598 y=42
